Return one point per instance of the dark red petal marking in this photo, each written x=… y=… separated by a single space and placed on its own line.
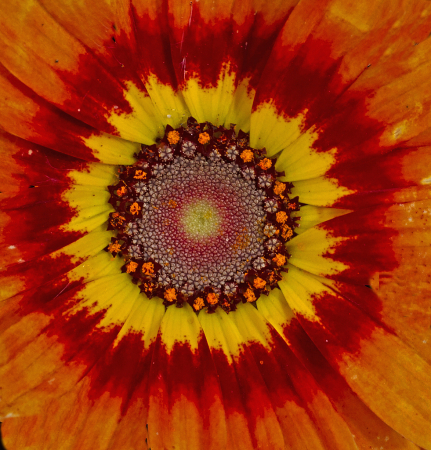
x=32 y=221
x=182 y=373
x=306 y=72
x=369 y=245
x=361 y=420
x=87 y=92
x=206 y=38
x=26 y=164
x=40 y=122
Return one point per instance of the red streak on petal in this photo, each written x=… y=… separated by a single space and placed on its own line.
x=183 y=372
x=368 y=249
x=93 y=94
x=153 y=46
x=244 y=389
x=285 y=376
x=348 y=320
x=326 y=375
x=49 y=126
x=36 y=217
x=307 y=78
x=205 y=45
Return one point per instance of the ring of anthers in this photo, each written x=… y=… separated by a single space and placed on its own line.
x=201 y=218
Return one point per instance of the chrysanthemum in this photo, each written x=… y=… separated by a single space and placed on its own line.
x=336 y=353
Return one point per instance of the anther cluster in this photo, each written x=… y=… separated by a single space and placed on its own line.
x=202 y=218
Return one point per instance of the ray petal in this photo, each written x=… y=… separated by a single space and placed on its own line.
x=388 y=375
x=185 y=409
x=368 y=430
x=277 y=391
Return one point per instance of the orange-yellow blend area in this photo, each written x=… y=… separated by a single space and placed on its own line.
x=338 y=356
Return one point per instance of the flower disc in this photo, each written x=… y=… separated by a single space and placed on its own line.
x=201 y=218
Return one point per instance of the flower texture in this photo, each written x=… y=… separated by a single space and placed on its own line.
x=337 y=355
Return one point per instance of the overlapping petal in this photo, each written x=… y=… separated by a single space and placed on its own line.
x=339 y=357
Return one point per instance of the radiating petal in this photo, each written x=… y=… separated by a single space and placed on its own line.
x=330 y=98
x=386 y=248
x=213 y=45
x=28 y=116
x=132 y=41
x=368 y=430
x=271 y=400
x=385 y=373
x=60 y=69
x=185 y=409
x=89 y=413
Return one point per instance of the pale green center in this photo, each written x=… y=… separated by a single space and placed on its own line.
x=200 y=220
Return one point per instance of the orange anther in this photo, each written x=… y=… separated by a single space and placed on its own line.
x=140 y=174
x=279 y=259
x=149 y=287
x=198 y=303
x=170 y=295
x=121 y=191
x=281 y=217
x=265 y=163
x=259 y=283
x=114 y=247
x=247 y=155
x=279 y=187
x=135 y=208
x=173 y=137
x=148 y=268
x=172 y=203
x=249 y=295
x=286 y=232
x=291 y=205
x=212 y=298
x=204 y=138
x=131 y=267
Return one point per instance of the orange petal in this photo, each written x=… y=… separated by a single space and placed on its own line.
x=271 y=400
x=385 y=373
x=368 y=430
x=185 y=407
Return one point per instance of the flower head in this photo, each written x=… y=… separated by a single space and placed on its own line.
x=215 y=224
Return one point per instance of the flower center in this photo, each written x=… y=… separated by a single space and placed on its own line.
x=201 y=218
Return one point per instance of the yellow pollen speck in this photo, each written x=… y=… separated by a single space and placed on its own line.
x=140 y=175
x=265 y=163
x=259 y=283
x=173 y=137
x=114 y=247
x=212 y=298
x=198 y=304
x=249 y=295
x=172 y=203
x=135 y=208
x=279 y=259
x=279 y=187
x=148 y=268
x=281 y=217
x=247 y=155
x=131 y=267
x=291 y=206
x=170 y=295
x=204 y=138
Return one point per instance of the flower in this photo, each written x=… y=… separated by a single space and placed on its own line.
x=338 y=355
